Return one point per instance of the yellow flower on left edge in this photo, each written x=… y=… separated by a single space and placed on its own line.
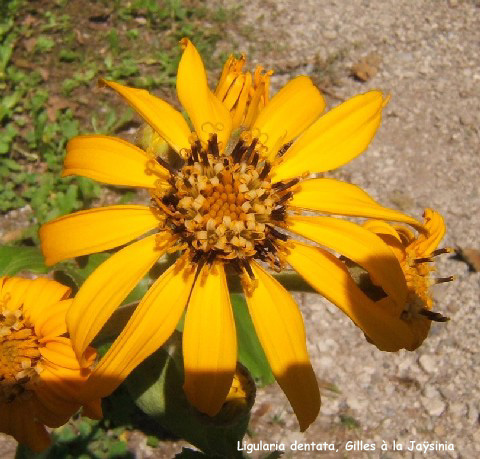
x=40 y=377
x=228 y=205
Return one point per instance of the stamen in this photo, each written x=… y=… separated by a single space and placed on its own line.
x=282 y=186
x=213 y=146
x=167 y=166
x=437 y=252
x=434 y=316
x=265 y=171
x=442 y=280
x=422 y=260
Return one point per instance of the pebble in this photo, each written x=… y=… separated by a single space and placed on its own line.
x=427 y=363
x=434 y=407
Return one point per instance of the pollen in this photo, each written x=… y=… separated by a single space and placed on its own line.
x=222 y=205
x=20 y=358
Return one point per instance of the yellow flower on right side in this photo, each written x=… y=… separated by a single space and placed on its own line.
x=416 y=255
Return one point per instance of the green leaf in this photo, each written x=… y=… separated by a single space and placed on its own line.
x=44 y=44
x=250 y=352
x=16 y=259
x=156 y=386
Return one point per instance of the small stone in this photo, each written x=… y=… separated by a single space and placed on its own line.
x=458 y=410
x=473 y=415
x=434 y=407
x=330 y=34
x=428 y=364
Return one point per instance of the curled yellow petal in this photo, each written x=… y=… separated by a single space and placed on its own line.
x=167 y=121
x=280 y=329
x=108 y=286
x=335 y=197
x=207 y=113
x=94 y=230
x=111 y=160
x=335 y=139
x=329 y=276
x=359 y=245
x=150 y=326
x=295 y=107
x=209 y=341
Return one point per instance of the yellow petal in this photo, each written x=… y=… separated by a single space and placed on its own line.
x=60 y=353
x=335 y=197
x=207 y=113
x=389 y=235
x=41 y=295
x=329 y=276
x=108 y=286
x=14 y=289
x=279 y=326
x=111 y=160
x=94 y=230
x=435 y=227
x=167 y=121
x=209 y=341
x=295 y=107
x=359 y=245
x=52 y=323
x=150 y=326
x=17 y=419
x=335 y=139
x=379 y=227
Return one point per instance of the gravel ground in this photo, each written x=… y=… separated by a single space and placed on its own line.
x=426 y=154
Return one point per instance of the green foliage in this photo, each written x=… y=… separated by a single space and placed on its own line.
x=16 y=259
x=349 y=422
x=35 y=127
x=250 y=352
x=156 y=387
x=82 y=438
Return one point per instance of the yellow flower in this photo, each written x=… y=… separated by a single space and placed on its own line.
x=415 y=254
x=228 y=206
x=40 y=376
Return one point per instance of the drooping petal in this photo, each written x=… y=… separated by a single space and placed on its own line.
x=111 y=160
x=435 y=228
x=335 y=139
x=280 y=329
x=207 y=113
x=167 y=121
x=329 y=276
x=335 y=197
x=94 y=230
x=150 y=326
x=359 y=245
x=108 y=286
x=295 y=107
x=209 y=341
x=389 y=235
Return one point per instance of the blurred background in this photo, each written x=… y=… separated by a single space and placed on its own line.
x=426 y=154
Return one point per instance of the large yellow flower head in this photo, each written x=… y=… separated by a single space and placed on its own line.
x=416 y=255
x=40 y=376
x=230 y=206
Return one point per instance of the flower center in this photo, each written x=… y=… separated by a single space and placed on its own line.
x=19 y=354
x=224 y=206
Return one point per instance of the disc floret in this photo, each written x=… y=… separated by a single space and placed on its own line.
x=20 y=358
x=222 y=205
